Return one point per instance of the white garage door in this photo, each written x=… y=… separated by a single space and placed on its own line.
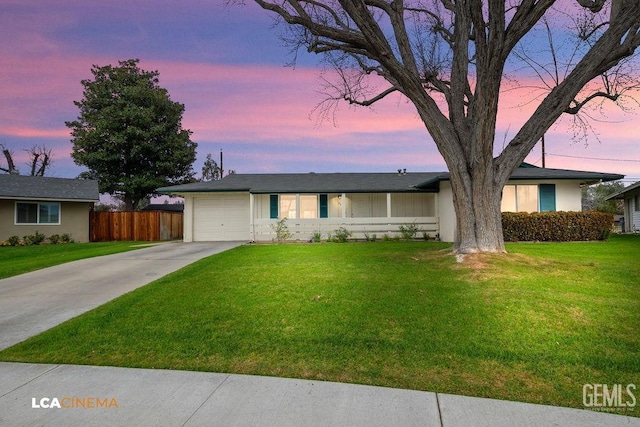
x=223 y=217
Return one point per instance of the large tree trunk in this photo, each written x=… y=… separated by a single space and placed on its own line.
x=477 y=199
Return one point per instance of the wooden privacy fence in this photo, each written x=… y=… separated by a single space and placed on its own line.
x=140 y=226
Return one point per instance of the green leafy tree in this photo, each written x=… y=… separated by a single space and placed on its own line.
x=593 y=197
x=129 y=133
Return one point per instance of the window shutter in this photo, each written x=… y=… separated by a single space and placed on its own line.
x=273 y=206
x=547 y=197
x=324 y=206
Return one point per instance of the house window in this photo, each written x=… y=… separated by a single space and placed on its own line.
x=288 y=207
x=528 y=198
x=308 y=206
x=37 y=213
x=509 y=199
x=636 y=202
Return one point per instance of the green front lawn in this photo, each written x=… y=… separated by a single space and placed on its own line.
x=16 y=260
x=533 y=326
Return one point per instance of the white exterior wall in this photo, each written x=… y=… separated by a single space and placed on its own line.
x=187 y=219
x=568 y=198
x=632 y=212
x=568 y=193
x=446 y=212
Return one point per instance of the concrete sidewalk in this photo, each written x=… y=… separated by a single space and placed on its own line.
x=144 y=397
x=34 y=302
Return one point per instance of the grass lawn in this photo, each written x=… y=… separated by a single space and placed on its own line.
x=22 y=259
x=533 y=326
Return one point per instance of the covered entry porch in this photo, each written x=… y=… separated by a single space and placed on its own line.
x=363 y=214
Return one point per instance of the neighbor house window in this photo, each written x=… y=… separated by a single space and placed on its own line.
x=37 y=213
x=636 y=203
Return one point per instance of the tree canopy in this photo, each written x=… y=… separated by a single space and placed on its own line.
x=449 y=59
x=129 y=133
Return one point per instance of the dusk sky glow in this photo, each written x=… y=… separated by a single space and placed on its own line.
x=227 y=65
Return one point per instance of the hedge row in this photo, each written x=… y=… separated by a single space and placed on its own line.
x=556 y=226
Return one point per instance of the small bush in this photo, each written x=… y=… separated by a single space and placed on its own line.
x=556 y=226
x=13 y=241
x=282 y=230
x=370 y=237
x=409 y=231
x=54 y=239
x=34 y=239
x=66 y=238
x=341 y=235
x=316 y=237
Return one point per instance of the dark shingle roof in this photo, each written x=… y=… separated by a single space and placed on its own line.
x=546 y=173
x=363 y=182
x=310 y=183
x=164 y=207
x=46 y=188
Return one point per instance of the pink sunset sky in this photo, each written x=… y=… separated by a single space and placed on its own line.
x=227 y=66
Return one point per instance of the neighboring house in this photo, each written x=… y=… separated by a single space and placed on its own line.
x=247 y=206
x=47 y=205
x=631 y=197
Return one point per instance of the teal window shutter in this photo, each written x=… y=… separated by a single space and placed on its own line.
x=273 y=206
x=324 y=206
x=547 y=194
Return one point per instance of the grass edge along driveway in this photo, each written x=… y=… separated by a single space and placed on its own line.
x=15 y=260
x=534 y=325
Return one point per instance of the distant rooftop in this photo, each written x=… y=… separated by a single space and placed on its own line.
x=46 y=188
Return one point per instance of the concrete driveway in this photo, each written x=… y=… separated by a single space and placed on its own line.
x=34 y=302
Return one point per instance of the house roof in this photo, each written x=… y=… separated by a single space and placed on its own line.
x=364 y=182
x=622 y=193
x=21 y=187
x=310 y=183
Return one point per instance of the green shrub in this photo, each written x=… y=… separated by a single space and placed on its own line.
x=556 y=226
x=370 y=237
x=316 y=237
x=66 y=238
x=54 y=239
x=34 y=239
x=282 y=230
x=13 y=241
x=341 y=235
x=409 y=231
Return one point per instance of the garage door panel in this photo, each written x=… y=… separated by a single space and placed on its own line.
x=222 y=217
